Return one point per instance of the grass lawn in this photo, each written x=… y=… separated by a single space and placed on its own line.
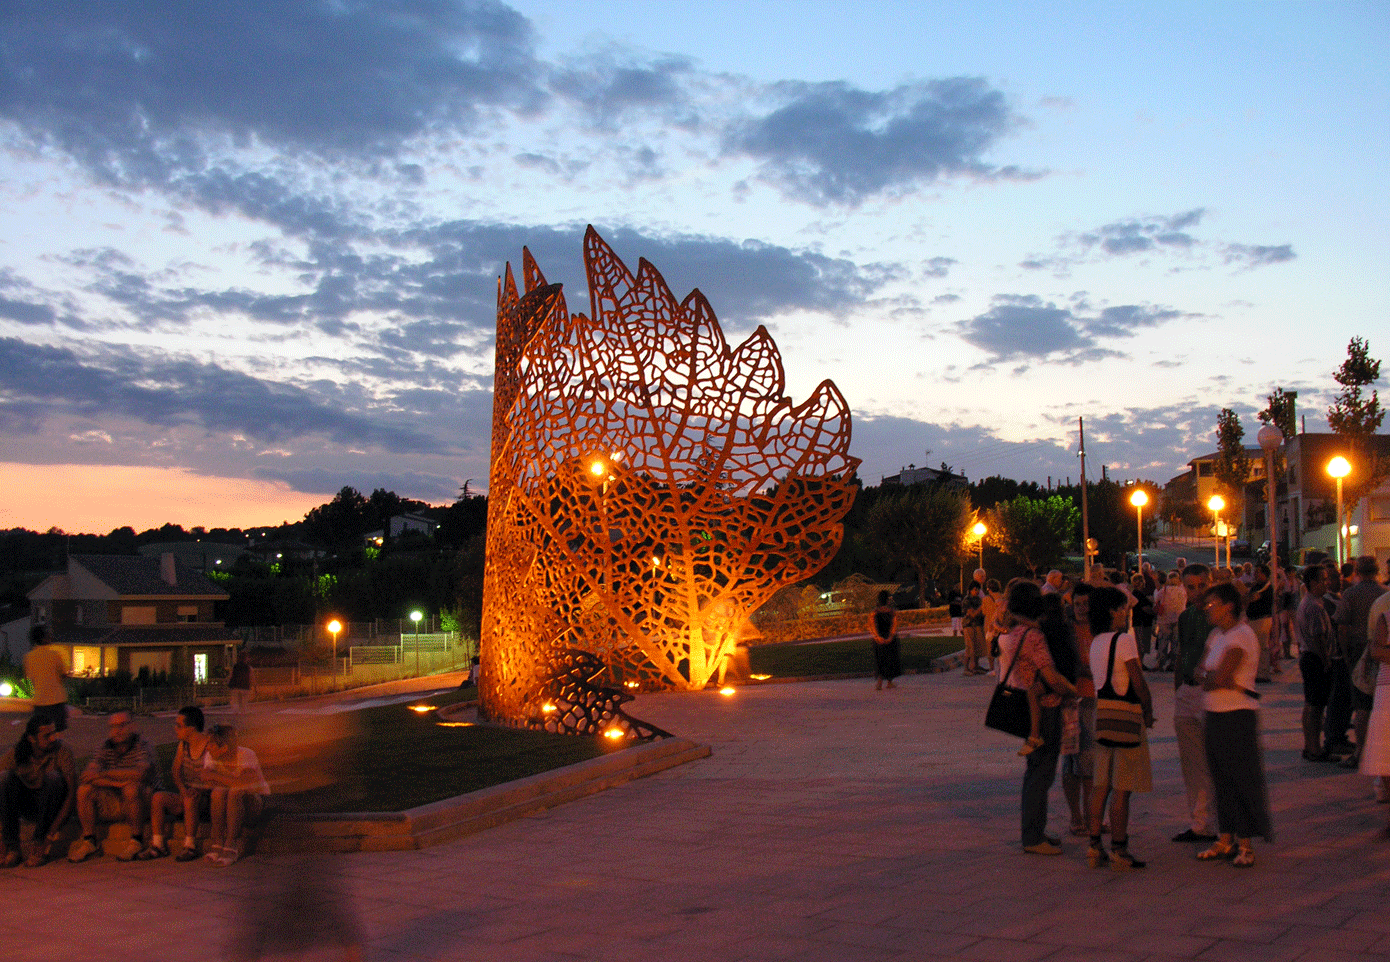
x=844 y=657
x=394 y=758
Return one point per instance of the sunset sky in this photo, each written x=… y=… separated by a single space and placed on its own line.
x=250 y=250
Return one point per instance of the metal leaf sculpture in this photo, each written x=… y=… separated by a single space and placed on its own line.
x=651 y=486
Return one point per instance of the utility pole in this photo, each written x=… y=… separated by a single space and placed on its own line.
x=1085 y=519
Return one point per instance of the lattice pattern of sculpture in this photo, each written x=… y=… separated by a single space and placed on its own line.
x=651 y=485
x=573 y=703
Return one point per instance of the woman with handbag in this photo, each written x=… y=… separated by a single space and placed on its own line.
x=1024 y=650
x=1227 y=677
x=1124 y=713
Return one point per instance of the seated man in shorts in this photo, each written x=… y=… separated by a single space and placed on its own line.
x=116 y=785
x=190 y=797
x=239 y=790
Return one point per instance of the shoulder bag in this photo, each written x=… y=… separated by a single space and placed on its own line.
x=1008 y=707
x=1119 y=719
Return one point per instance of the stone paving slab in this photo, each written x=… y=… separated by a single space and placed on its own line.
x=831 y=822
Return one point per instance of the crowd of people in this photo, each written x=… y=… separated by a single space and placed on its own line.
x=1081 y=650
x=216 y=781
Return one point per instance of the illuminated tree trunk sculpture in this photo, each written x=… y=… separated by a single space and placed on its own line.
x=651 y=486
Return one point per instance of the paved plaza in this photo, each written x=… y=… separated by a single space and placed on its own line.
x=832 y=822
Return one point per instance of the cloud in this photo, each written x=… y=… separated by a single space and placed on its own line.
x=938 y=266
x=1126 y=319
x=831 y=143
x=1154 y=235
x=436 y=284
x=169 y=392
x=26 y=312
x=745 y=281
x=614 y=84
x=1251 y=256
x=129 y=88
x=421 y=485
x=1024 y=327
x=1144 y=234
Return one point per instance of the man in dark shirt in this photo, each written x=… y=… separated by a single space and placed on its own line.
x=1188 y=719
x=1315 y=641
x=973 y=627
x=38 y=782
x=1352 y=619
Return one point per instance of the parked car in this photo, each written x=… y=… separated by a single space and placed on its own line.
x=1240 y=548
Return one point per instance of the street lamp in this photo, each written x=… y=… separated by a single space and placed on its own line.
x=1271 y=439
x=1216 y=503
x=415 y=616
x=1139 y=498
x=1339 y=468
x=334 y=627
x=980 y=531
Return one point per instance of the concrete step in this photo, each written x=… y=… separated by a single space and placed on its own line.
x=477 y=811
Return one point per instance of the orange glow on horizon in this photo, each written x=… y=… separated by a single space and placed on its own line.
x=97 y=499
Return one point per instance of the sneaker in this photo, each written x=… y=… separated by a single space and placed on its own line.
x=1120 y=860
x=1096 y=856
x=83 y=849
x=12 y=858
x=188 y=853
x=1043 y=848
x=130 y=850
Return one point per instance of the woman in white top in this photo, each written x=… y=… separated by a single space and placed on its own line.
x=1227 y=676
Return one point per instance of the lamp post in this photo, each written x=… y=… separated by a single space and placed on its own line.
x=415 y=616
x=1339 y=468
x=1271 y=439
x=334 y=627
x=1139 y=498
x=980 y=531
x=1216 y=503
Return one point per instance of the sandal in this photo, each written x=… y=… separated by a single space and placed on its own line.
x=1030 y=745
x=152 y=851
x=1220 y=852
x=1246 y=858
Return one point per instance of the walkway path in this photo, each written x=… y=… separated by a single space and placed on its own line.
x=833 y=822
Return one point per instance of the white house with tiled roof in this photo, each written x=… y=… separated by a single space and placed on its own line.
x=114 y=612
